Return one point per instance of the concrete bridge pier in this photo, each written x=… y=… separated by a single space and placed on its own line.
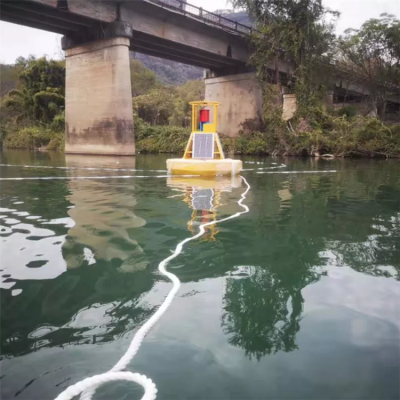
x=98 y=99
x=240 y=97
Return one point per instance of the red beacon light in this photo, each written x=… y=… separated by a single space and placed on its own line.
x=204 y=116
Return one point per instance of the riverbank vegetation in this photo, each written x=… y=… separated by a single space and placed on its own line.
x=33 y=90
x=32 y=111
x=368 y=58
x=32 y=114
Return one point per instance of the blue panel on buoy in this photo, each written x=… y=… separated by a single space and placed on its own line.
x=203 y=145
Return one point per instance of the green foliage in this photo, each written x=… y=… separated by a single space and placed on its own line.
x=20 y=102
x=8 y=79
x=57 y=141
x=255 y=143
x=182 y=111
x=156 y=106
x=32 y=114
x=371 y=55
x=48 y=104
x=40 y=75
x=348 y=111
x=58 y=123
x=324 y=134
x=165 y=105
x=160 y=139
x=41 y=96
x=3 y=134
x=142 y=78
x=297 y=32
x=33 y=138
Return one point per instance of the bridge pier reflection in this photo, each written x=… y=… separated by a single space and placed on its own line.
x=103 y=212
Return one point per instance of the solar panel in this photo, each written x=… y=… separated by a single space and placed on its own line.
x=202 y=199
x=203 y=145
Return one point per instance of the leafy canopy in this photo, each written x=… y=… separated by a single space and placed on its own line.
x=297 y=31
x=371 y=55
x=41 y=92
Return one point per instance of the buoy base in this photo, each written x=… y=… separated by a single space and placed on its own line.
x=182 y=166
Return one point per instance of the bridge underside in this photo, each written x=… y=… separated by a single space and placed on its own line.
x=45 y=17
x=98 y=36
x=155 y=31
x=163 y=48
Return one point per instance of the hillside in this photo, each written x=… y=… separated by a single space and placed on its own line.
x=169 y=72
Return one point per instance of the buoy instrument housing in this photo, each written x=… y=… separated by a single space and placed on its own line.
x=203 y=154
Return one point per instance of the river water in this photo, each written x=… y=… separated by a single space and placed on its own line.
x=297 y=299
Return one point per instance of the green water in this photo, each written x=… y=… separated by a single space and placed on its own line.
x=298 y=299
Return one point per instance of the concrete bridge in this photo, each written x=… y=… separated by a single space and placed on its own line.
x=98 y=35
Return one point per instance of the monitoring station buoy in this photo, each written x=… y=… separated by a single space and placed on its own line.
x=203 y=154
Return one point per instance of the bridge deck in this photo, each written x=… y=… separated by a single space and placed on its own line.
x=180 y=32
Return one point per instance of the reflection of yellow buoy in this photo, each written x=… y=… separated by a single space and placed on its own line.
x=221 y=183
x=203 y=196
x=203 y=154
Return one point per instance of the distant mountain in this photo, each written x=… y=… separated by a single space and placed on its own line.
x=170 y=72
x=174 y=73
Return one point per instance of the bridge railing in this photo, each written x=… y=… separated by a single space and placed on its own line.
x=207 y=17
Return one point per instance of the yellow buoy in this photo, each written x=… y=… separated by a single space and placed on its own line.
x=203 y=154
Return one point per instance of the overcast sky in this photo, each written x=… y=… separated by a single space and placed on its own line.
x=18 y=40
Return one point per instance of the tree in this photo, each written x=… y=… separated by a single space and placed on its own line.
x=169 y=105
x=142 y=78
x=156 y=106
x=41 y=95
x=371 y=56
x=190 y=91
x=294 y=30
x=8 y=78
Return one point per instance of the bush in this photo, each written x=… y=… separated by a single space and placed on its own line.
x=58 y=123
x=33 y=138
x=321 y=134
x=160 y=139
x=57 y=142
x=254 y=143
x=343 y=137
x=348 y=111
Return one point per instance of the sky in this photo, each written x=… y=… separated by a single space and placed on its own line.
x=16 y=41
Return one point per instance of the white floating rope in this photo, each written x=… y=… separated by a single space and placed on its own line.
x=298 y=172
x=88 y=386
x=32 y=178
x=84 y=168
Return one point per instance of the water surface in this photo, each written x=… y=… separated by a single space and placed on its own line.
x=298 y=299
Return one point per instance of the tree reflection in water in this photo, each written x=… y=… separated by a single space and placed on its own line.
x=299 y=219
x=256 y=315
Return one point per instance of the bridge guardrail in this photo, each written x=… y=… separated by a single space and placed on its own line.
x=206 y=16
